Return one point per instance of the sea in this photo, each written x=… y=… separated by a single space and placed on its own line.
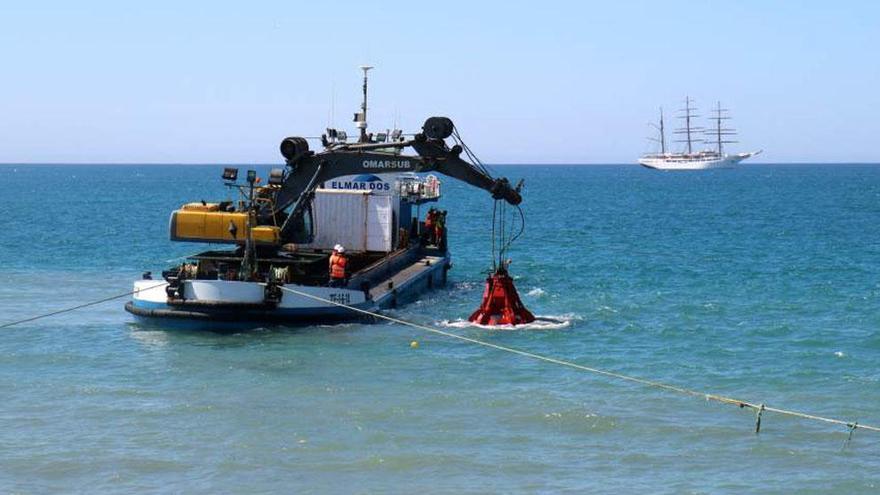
x=760 y=283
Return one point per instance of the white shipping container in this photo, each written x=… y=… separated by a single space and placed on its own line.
x=359 y=220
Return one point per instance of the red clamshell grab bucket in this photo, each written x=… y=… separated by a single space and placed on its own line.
x=501 y=304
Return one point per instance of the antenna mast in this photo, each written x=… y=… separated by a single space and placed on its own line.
x=361 y=117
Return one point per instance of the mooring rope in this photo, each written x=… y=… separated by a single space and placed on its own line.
x=93 y=303
x=759 y=407
x=80 y=306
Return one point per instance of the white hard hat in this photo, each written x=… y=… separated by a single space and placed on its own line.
x=339 y=248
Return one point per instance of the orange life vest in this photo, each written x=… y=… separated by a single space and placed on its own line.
x=337 y=265
x=429 y=220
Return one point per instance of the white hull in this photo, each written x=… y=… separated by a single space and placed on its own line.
x=150 y=293
x=228 y=304
x=673 y=162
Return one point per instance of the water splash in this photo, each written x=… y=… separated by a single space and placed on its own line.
x=536 y=292
x=548 y=322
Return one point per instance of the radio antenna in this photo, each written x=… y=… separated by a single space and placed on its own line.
x=361 y=118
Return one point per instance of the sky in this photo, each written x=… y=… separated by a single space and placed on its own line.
x=525 y=82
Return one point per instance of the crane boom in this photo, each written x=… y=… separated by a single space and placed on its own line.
x=306 y=170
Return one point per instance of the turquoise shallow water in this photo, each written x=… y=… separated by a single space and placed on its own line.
x=762 y=283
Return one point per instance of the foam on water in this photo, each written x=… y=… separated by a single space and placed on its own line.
x=541 y=323
x=536 y=292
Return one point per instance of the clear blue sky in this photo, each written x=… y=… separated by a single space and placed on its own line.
x=526 y=82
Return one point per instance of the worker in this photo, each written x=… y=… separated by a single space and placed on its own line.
x=429 y=225
x=338 y=262
x=440 y=229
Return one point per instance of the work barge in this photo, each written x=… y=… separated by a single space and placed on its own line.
x=367 y=195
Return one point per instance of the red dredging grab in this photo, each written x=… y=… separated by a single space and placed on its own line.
x=501 y=304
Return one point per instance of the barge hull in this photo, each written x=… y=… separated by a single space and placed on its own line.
x=238 y=305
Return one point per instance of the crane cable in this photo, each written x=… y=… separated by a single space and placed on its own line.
x=504 y=239
x=476 y=162
x=501 y=236
x=760 y=408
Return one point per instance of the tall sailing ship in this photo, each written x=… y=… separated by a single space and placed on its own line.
x=713 y=156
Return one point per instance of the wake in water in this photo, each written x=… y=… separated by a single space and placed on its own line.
x=537 y=292
x=540 y=323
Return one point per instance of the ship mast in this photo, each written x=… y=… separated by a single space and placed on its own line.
x=688 y=130
x=662 y=130
x=720 y=133
x=662 y=134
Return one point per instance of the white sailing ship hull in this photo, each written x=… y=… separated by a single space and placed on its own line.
x=693 y=163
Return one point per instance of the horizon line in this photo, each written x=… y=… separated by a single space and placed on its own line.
x=520 y=164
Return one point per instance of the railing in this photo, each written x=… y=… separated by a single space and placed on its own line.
x=415 y=188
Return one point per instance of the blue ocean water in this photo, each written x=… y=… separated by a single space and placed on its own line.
x=762 y=283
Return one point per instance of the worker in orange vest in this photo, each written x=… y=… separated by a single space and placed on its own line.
x=338 y=262
x=429 y=225
x=440 y=229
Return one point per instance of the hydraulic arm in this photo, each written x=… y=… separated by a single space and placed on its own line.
x=306 y=170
